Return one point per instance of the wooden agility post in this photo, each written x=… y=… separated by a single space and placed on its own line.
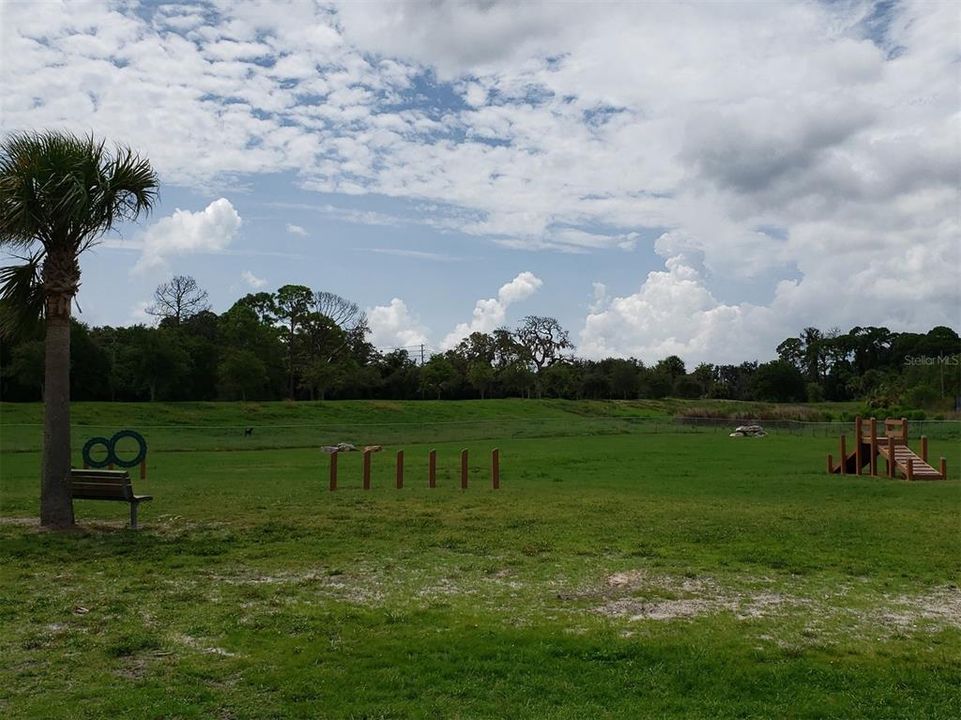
x=859 y=438
x=143 y=469
x=874 y=447
x=944 y=469
x=333 y=471
x=463 y=469
x=830 y=463
x=400 y=469
x=432 y=469
x=844 y=454
x=890 y=456
x=910 y=468
x=366 y=469
x=495 y=469
x=924 y=448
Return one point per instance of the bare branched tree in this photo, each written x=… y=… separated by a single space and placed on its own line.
x=345 y=314
x=178 y=299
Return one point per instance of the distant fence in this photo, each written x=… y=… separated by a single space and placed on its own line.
x=934 y=429
x=187 y=438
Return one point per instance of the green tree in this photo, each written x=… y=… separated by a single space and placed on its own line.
x=59 y=193
x=162 y=364
x=481 y=376
x=705 y=375
x=779 y=381
x=437 y=375
x=543 y=338
x=241 y=374
x=292 y=305
x=26 y=366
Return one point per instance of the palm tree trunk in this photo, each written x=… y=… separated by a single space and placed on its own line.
x=56 y=505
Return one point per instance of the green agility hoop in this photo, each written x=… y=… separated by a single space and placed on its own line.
x=90 y=445
x=111 y=446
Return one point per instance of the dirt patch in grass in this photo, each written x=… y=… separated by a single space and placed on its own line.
x=688 y=597
x=744 y=607
x=632 y=609
x=200 y=646
x=937 y=609
x=641 y=595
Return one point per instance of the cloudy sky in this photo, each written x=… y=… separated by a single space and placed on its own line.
x=702 y=179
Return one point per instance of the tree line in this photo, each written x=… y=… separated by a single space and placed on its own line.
x=302 y=344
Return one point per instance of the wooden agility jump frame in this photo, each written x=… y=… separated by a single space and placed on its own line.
x=495 y=472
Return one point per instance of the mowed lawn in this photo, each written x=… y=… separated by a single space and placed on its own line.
x=628 y=575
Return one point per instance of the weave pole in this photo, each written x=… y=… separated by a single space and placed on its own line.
x=333 y=471
x=463 y=469
x=366 y=469
x=495 y=469
x=400 y=469
x=432 y=469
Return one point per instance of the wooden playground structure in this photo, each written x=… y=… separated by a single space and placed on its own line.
x=892 y=446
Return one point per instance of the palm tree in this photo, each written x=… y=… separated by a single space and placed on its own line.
x=59 y=193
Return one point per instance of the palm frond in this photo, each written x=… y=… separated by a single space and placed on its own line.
x=21 y=297
x=62 y=189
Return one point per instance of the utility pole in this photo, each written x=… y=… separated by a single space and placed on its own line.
x=422 y=353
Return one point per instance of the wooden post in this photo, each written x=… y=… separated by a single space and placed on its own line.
x=924 y=448
x=400 y=469
x=910 y=468
x=463 y=469
x=333 y=471
x=904 y=430
x=874 y=447
x=432 y=469
x=143 y=469
x=858 y=460
x=890 y=456
x=366 y=469
x=830 y=464
x=844 y=454
x=495 y=469
x=944 y=469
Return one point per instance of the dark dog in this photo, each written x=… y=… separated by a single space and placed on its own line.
x=248 y=432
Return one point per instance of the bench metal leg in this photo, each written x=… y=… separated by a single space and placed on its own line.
x=133 y=515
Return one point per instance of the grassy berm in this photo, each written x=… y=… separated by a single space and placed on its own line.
x=629 y=567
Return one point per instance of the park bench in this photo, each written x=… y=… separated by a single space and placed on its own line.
x=106 y=485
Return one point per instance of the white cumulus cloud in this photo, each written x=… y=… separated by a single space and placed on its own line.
x=252 y=280
x=207 y=231
x=673 y=313
x=296 y=230
x=581 y=129
x=490 y=313
x=393 y=325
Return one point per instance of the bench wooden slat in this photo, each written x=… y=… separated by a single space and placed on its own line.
x=112 y=485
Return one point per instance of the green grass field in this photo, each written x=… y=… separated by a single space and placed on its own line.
x=629 y=567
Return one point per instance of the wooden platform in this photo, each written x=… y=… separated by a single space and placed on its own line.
x=920 y=470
